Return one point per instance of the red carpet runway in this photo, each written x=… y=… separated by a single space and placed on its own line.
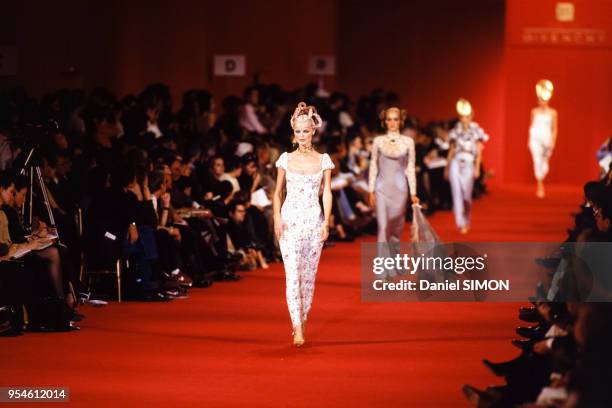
x=229 y=345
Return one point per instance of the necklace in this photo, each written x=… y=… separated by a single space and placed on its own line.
x=304 y=150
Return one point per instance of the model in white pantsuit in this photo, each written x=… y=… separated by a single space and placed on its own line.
x=540 y=143
x=542 y=133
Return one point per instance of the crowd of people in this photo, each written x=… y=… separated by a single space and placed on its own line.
x=565 y=358
x=167 y=199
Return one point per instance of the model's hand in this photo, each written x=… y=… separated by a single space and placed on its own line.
x=278 y=228
x=372 y=200
x=446 y=173
x=324 y=232
x=476 y=173
x=415 y=199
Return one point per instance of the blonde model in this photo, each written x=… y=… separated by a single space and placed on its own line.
x=542 y=133
x=464 y=157
x=299 y=224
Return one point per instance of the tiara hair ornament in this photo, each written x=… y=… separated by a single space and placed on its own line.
x=304 y=113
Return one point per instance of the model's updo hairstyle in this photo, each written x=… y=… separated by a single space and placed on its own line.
x=305 y=112
x=401 y=112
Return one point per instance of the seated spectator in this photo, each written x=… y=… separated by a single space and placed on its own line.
x=243 y=238
x=233 y=170
x=46 y=288
x=249 y=178
x=248 y=118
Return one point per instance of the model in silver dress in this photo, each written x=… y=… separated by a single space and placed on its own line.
x=391 y=178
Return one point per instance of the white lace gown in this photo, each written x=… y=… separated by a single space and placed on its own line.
x=300 y=242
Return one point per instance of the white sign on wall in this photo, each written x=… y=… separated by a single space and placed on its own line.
x=322 y=65
x=8 y=61
x=229 y=65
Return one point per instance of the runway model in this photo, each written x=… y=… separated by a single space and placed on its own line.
x=542 y=133
x=464 y=157
x=299 y=225
x=391 y=177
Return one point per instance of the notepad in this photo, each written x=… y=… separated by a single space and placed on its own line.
x=260 y=199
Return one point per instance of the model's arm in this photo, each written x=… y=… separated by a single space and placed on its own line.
x=373 y=172
x=276 y=203
x=530 y=125
x=327 y=203
x=411 y=172
x=554 y=129
x=479 y=147
x=449 y=157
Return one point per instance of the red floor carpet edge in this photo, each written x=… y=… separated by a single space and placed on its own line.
x=229 y=345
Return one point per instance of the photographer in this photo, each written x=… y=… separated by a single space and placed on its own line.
x=46 y=298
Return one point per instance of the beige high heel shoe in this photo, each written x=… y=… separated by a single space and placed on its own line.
x=298 y=338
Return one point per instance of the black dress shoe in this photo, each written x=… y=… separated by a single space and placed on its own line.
x=530 y=315
x=541 y=292
x=6 y=330
x=155 y=297
x=83 y=297
x=76 y=317
x=202 y=281
x=227 y=276
x=231 y=277
x=532 y=332
x=478 y=397
x=525 y=345
x=499 y=369
x=171 y=292
x=550 y=262
x=506 y=368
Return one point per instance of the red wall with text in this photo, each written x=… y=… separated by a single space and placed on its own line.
x=577 y=57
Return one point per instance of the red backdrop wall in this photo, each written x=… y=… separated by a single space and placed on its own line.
x=127 y=45
x=577 y=57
